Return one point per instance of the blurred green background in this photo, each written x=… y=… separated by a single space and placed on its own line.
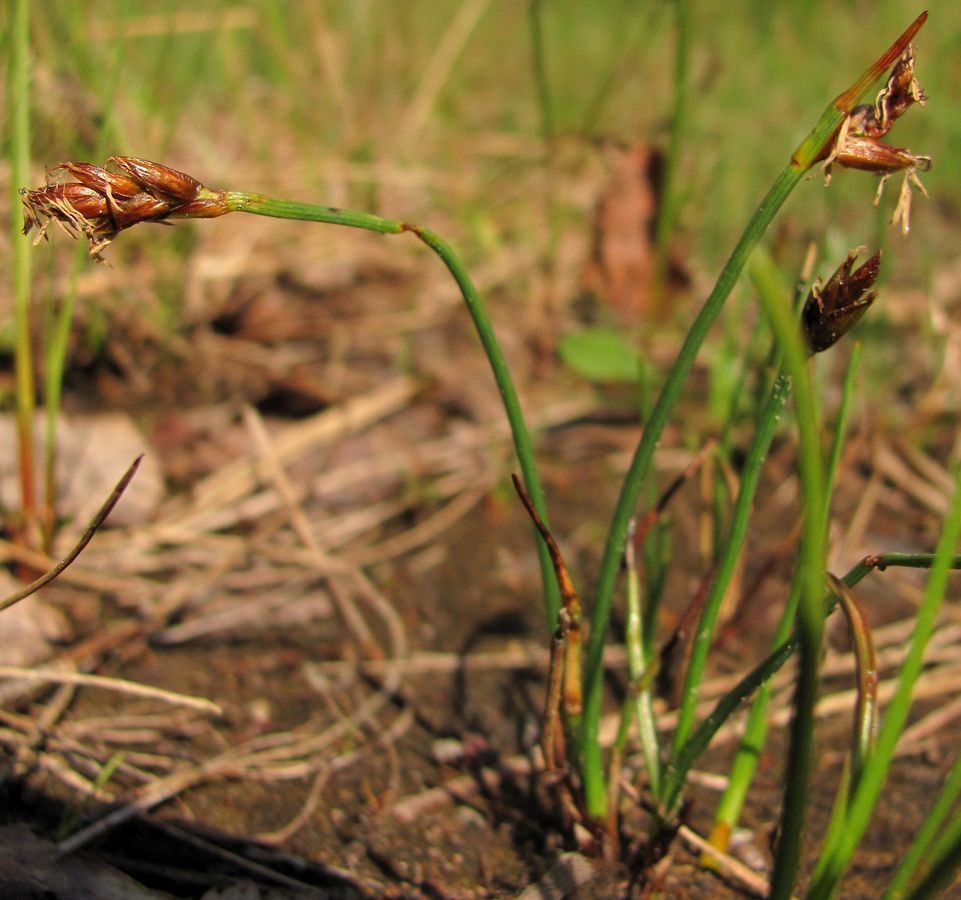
x=226 y=86
x=428 y=110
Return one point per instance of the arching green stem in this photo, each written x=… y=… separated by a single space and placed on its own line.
x=308 y=212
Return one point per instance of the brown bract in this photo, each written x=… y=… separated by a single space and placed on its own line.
x=902 y=90
x=101 y=202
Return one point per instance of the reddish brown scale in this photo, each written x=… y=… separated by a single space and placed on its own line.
x=142 y=208
x=120 y=186
x=870 y=155
x=76 y=207
x=859 y=144
x=204 y=208
x=900 y=92
x=101 y=203
x=86 y=201
x=158 y=178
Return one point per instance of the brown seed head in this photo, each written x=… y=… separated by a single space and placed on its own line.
x=858 y=143
x=831 y=310
x=101 y=203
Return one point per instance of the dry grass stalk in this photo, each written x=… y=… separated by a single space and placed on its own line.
x=119 y=685
x=346 y=607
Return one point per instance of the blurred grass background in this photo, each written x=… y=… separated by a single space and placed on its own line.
x=427 y=110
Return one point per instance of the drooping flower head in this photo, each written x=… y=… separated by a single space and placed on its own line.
x=859 y=142
x=101 y=202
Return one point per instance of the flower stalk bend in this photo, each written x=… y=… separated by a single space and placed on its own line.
x=101 y=202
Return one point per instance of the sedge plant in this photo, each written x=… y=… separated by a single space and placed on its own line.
x=98 y=202
x=819 y=145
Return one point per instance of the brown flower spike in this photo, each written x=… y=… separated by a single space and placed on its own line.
x=859 y=143
x=101 y=203
x=831 y=310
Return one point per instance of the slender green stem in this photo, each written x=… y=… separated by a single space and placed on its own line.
x=18 y=98
x=657 y=552
x=920 y=856
x=779 y=314
x=801 y=754
x=755 y=735
x=810 y=618
x=835 y=858
x=944 y=864
x=56 y=361
x=677 y=770
x=768 y=667
x=811 y=149
x=755 y=730
x=595 y=794
x=639 y=670
x=704 y=635
x=769 y=283
x=841 y=424
x=654 y=427
x=307 y=212
x=260 y=205
x=512 y=407
x=749 y=363
x=899 y=560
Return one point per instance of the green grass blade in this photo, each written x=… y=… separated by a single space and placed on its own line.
x=755 y=731
x=810 y=572
x=945 y=859
x=640 y=673
x=835 y=858
x=750 y=477
x=630 y=491
x=61 y=318
x=923 y=850
x=704 y=635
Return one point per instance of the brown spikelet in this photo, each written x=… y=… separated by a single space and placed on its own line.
x=859 y=142
x=831 y=310
x=101 y=202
